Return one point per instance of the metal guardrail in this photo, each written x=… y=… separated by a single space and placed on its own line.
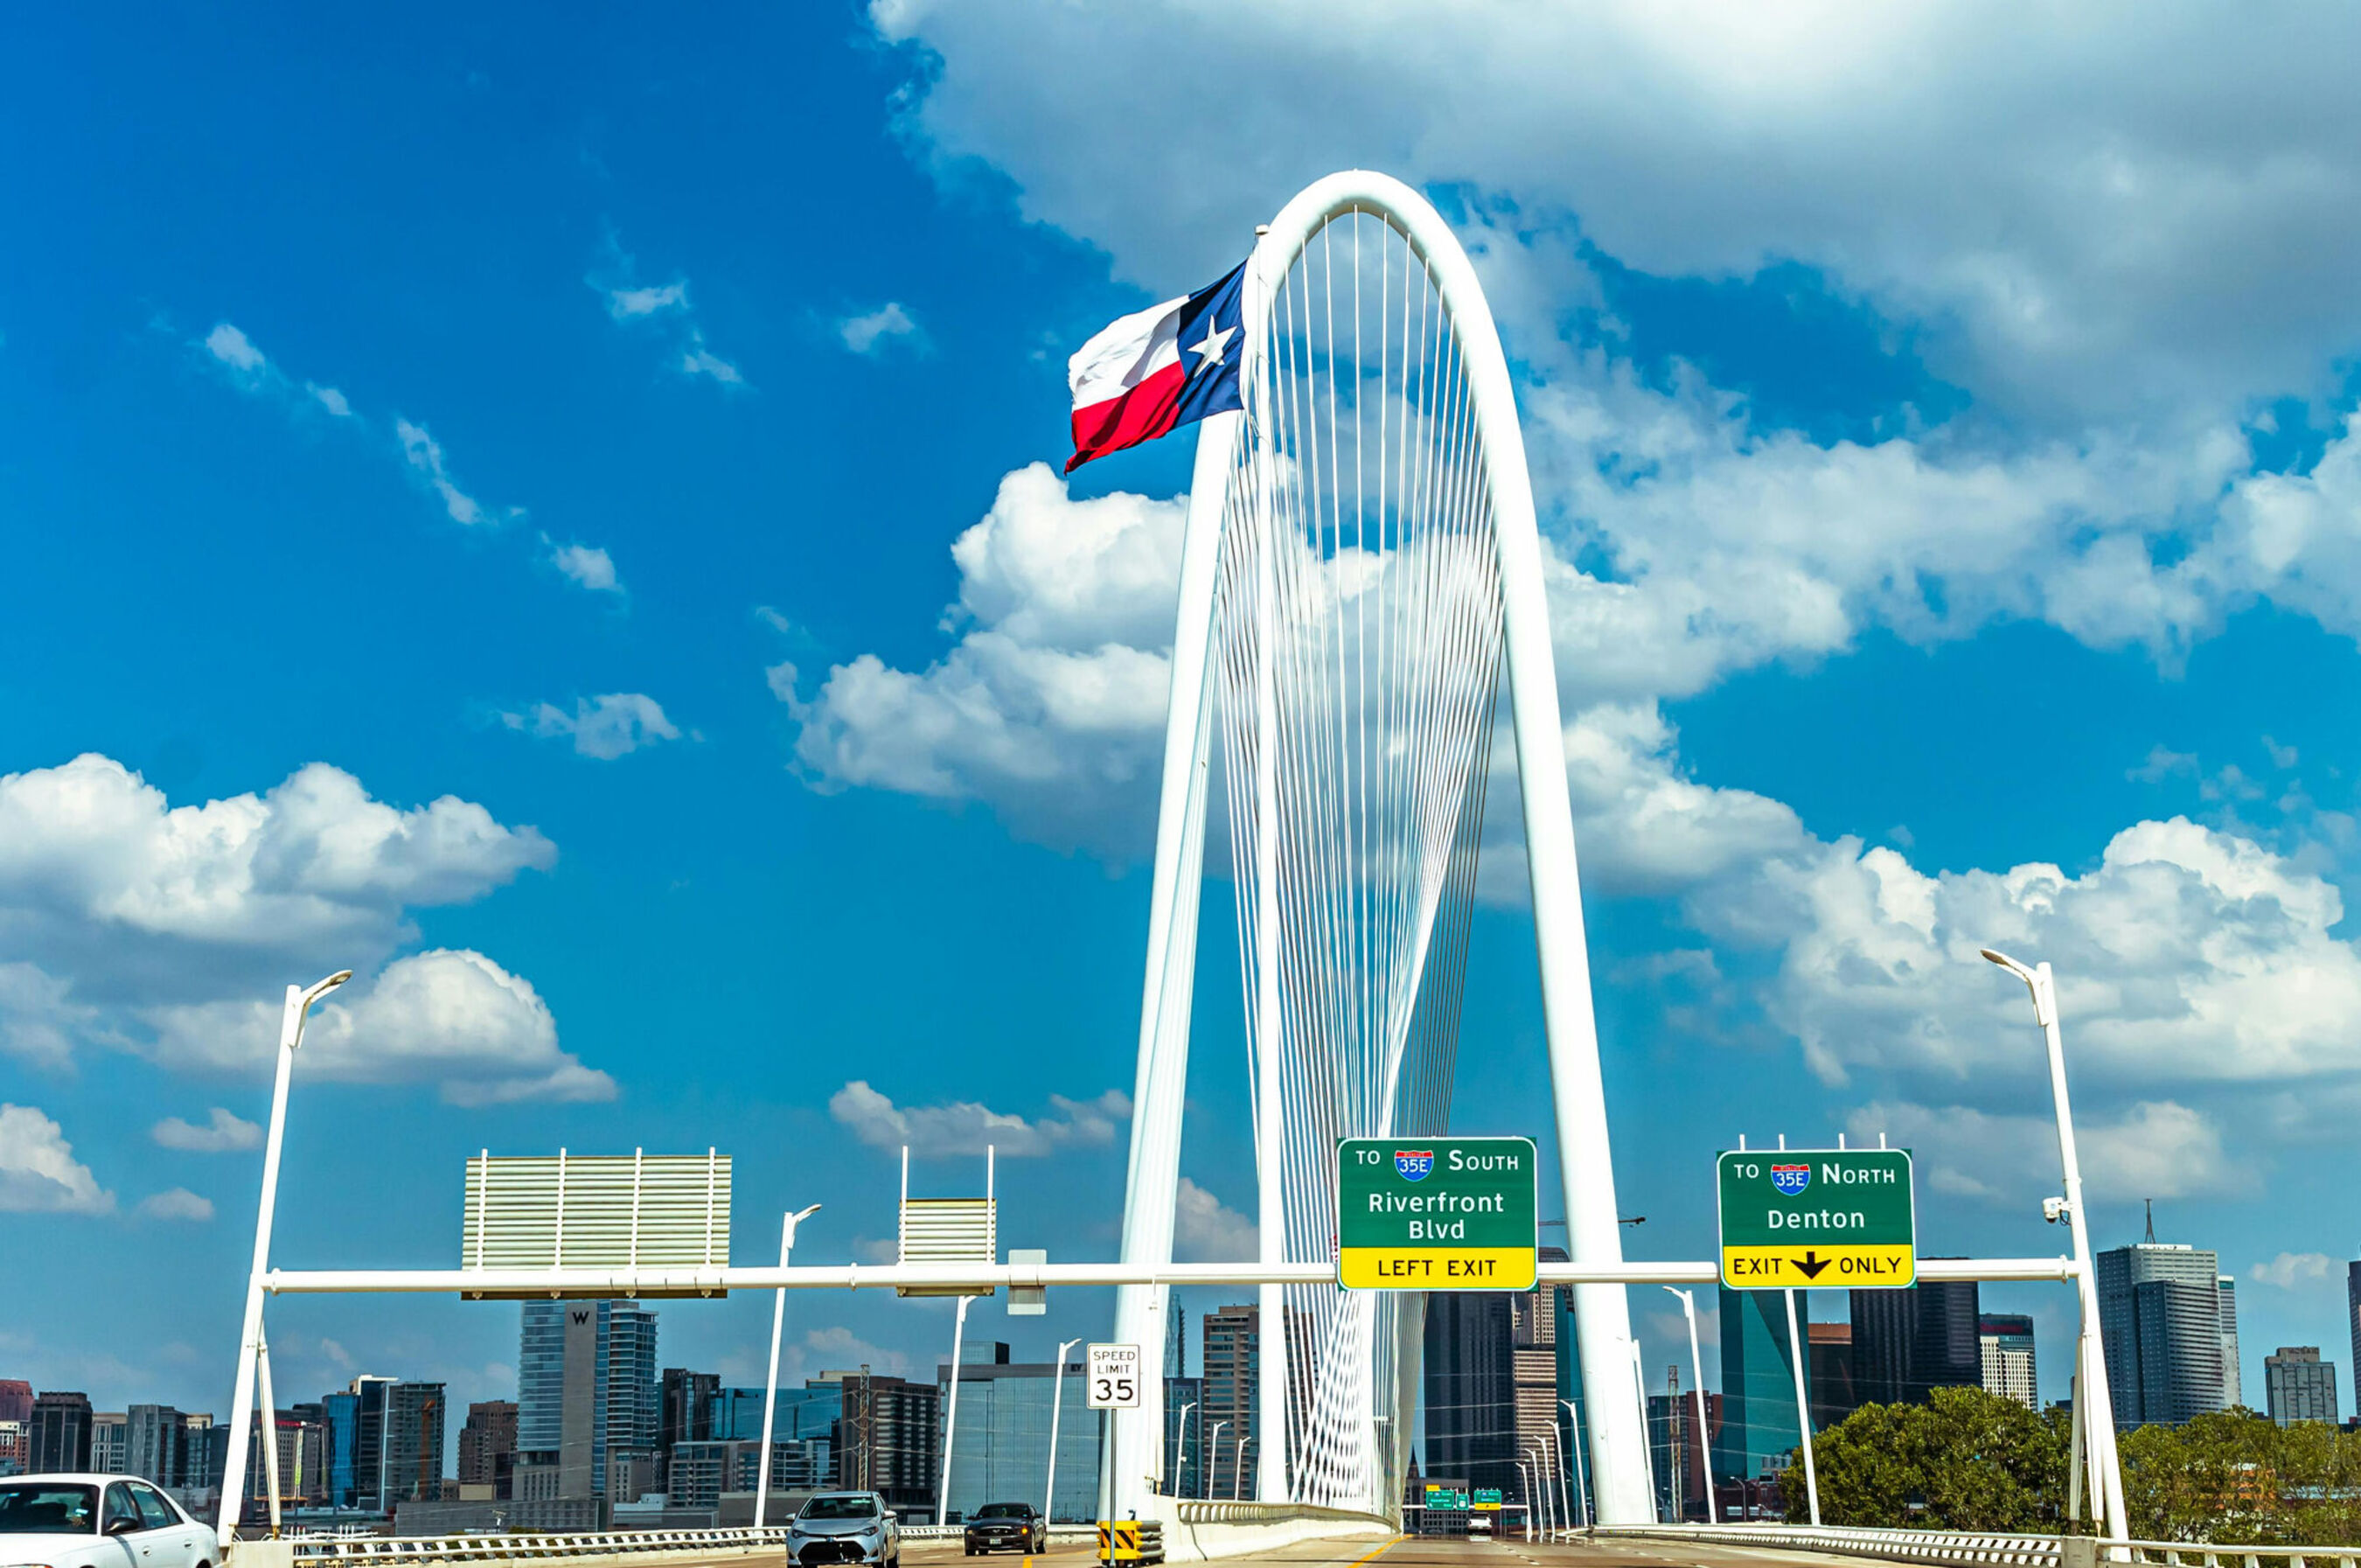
x=506 y=1548
x=501 y=1548
x=1996 y=1548
x=1247 y=1511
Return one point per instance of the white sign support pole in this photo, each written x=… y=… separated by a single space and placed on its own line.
x=1795 y=1357
x=1057 y=1399
x=270 y=1427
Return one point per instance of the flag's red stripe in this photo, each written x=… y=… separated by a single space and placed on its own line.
x=1141 y=414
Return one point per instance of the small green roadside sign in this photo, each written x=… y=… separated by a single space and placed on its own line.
x=1795 y=1219
x=1436 y=1214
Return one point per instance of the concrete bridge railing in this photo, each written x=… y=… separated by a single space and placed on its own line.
x=1970 y=1548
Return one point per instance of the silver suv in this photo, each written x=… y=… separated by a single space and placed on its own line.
x=844 y=1527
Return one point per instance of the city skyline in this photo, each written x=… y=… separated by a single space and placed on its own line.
x=520 y=555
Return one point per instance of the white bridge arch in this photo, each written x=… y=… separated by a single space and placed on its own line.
x=1360 y=559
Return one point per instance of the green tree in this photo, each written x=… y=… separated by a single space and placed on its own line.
x=1964 y=1460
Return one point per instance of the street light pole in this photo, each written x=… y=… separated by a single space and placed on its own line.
x=1057 y=1398
x=1581 y=1475
x=1797 y=1356
x=1238 y=1475
x=2093 y=1402
x=1696 y=1376
x=249 y=1342
x=1541 y=1482
x=1180 y=1444
x=950 y=1415
x=1564 y=1500
x=1213 y=1458
x=771 y=1389
x=1647 y=1444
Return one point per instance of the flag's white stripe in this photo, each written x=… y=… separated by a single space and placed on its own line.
x=1126 y=352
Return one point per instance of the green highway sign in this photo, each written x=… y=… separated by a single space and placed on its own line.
x=1446 y=1496
x=1795 y=1218
x=1436 y=1214
x=1486 y=1499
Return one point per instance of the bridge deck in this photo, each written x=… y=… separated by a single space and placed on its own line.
x=1412 y=1551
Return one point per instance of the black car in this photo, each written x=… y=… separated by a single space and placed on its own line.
x=1008 y=1527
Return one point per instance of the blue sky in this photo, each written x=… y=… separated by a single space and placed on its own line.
x=482 y=494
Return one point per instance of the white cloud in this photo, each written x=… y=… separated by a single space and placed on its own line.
x=130 y=924
x=235 y=349
x=2157 y=1149
x=624 y=304
x=453 y=1018
x=424 y=455
x=586 y=565
x=2086 y=214
x=872 y=332
x=2294 y=1270
x=39 y=1173
x=1205 y=1231
x=838 y=1350
x=2187 y=954
x=965 y=1127
x=176 y=1203
x=223 y=1134
x=606 y=727
x=662 y=310
x=696 y=359
x=1051 y=704
x=328 y=397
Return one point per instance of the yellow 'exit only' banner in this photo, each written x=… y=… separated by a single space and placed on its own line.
x=1801 y=1267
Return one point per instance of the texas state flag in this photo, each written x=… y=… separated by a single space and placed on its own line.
x=1151 y=372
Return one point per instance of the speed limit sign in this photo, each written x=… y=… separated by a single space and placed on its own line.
x=1114 y=1377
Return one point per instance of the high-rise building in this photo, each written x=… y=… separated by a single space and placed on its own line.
x=1832 y=1386
x=110 y=1441
x=487 y=1447
x=155 y=1444
x=15 y=1400
x=1676 y=1450
x=60 y=1433
x=1907 y=1342
x=415 y=1417
x=683 y=1408
x=1759 y=1429
x=1533 y=1355
x=2301 y=1387
x=810 y=1411
x=1471 y=1389
x=2160 y=1313
x=1003 y=1435
x=586 y=1387
x=369 y=1395
x=1229 y=1363
x=15 y=1447
x=891 y=1430
x=341 y=1411
x=2233 y=1392
x=2353 y=1322
x=2004 y=1341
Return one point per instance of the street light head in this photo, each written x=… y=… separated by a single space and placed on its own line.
x=325 y=986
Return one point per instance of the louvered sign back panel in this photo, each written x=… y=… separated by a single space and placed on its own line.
x=569 y=1211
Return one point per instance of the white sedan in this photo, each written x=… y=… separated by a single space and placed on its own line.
x=98 y=1521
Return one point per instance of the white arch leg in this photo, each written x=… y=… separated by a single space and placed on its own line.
x=1601 y=1315
x=1152 y=1187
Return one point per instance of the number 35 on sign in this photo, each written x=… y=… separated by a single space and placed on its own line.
x=1114 y=1377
